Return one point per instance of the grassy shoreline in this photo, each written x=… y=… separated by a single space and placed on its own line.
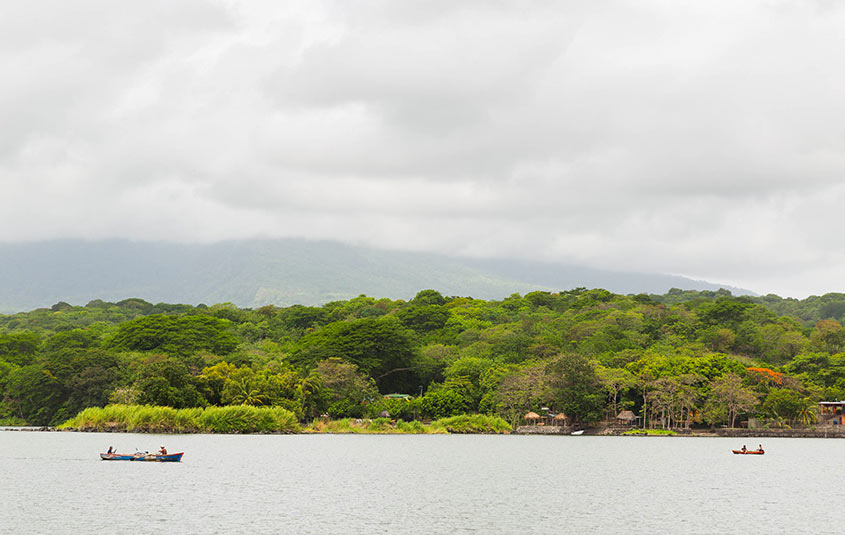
x=463 y=424
x=156 y=419
x=244 y=419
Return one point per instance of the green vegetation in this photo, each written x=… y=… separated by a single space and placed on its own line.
x=650 y=432
x=678 y=360
x=10 y=421
x=465 y=423
x=377 y=426
x=152 y=419
x=472 y=423
x=809 y=310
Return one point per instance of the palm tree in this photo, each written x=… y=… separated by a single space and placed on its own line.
x=807 y=415
x=247 y=394
x=308 y=389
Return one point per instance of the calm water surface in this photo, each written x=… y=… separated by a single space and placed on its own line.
x=55 y=483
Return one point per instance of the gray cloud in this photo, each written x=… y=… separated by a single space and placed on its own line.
x=704 y=139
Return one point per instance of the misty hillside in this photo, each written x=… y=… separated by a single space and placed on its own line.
x=283 y=272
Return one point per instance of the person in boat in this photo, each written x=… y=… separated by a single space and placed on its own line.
x=744 y=449
x=111 y=450
x=162 y=451
x=760 y=448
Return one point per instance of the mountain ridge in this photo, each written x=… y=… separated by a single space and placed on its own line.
x=252 y=273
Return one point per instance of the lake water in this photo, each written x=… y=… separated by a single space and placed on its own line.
x=55 y=483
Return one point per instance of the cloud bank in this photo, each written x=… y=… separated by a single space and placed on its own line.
x=705 y=139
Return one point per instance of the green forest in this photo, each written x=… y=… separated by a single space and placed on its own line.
x=679 y=360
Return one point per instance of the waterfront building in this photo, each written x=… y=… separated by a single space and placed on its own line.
x=830 y=412
x=626 y=418
x=532 y=418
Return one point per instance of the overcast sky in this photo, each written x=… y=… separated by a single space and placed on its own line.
x=699 y=138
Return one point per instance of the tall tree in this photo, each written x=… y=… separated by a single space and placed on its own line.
x=575 y=388
x=729 y=397
x=381 y=347
x=615 y=381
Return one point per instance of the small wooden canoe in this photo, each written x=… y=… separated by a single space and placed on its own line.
x=150 y=457
x=748 y=452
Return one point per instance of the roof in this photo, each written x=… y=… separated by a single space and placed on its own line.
x=406 y=397
x=532 y=416
x=560 y=416
x=831 y=402
x=626 y=415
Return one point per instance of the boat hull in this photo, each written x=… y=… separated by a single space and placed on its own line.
x=148 y=457
x=748 y=452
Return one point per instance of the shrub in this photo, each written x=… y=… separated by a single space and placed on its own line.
x=473 y=423
x=155 y=419
x=400 y=409
x=442 y=403
x=650 y=432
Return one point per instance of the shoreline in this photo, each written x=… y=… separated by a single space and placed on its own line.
x=826 y=432
x=519 y=431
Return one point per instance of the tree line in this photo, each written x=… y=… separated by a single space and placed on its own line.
x=677 y=360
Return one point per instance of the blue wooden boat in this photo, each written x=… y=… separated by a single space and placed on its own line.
x=143 y=456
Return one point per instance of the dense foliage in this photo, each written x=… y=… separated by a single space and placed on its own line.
x=676 y=360
x=150 y=419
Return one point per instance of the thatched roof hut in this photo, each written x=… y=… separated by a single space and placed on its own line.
x=560 y=419
x=532 y=418
x=626 y=417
